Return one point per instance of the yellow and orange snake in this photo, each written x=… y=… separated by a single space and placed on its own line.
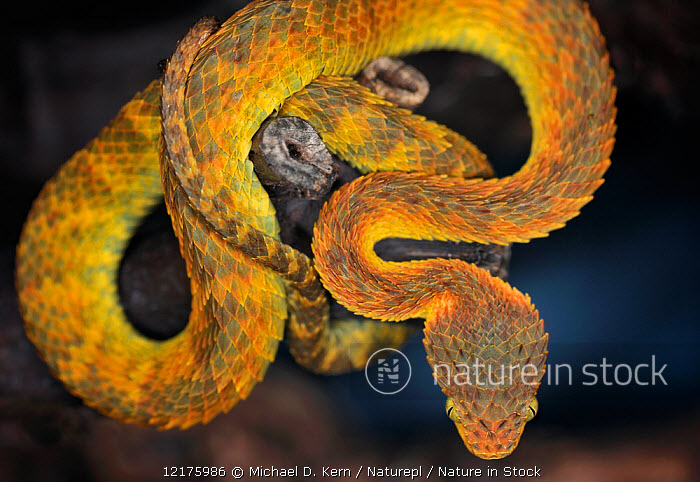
x=188 y=136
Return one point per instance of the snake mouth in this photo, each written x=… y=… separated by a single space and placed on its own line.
x=489 y=452
x=489 y=445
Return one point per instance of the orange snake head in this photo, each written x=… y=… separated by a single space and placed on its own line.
x=488 y=356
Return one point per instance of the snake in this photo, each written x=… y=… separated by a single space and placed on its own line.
x=186 y=138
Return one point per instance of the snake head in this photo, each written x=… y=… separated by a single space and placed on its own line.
x=491 y=430
x=488 y=356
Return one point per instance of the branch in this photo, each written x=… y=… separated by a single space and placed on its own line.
x=396 y=81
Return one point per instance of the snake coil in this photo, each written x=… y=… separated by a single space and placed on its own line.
x=188 y=138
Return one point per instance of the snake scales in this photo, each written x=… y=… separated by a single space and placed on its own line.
x=248 y=288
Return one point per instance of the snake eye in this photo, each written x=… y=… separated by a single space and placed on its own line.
x=450 y=410
x=532 y=409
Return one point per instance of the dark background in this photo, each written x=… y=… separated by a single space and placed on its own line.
x=620 y=281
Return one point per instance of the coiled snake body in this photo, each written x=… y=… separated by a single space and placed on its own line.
x=247 y=287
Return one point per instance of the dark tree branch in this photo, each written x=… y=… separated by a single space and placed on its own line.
x=491 y=257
